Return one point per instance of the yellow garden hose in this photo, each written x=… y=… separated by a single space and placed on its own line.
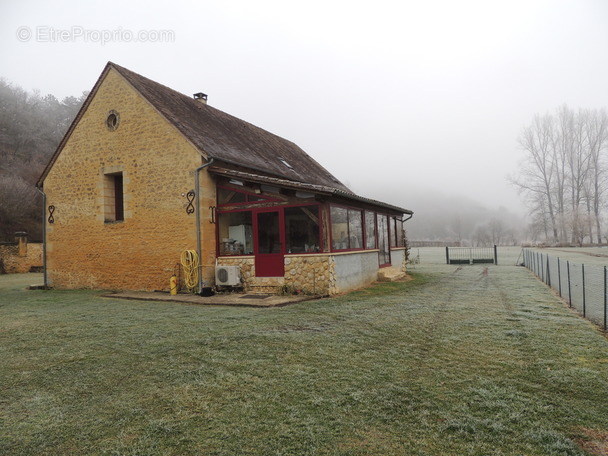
x=189 y=260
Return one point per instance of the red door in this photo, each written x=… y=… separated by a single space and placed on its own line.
x=269 y=244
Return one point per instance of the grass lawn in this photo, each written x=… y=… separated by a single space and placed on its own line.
x=459 y=361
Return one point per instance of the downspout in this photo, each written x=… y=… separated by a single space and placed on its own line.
x=197 y=202
x=39 y=188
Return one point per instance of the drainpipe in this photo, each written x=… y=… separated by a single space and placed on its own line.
x=39 y=188
x=197 y=209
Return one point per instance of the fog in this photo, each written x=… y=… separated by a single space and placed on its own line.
x=414 y=103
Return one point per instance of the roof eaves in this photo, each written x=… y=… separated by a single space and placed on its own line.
x=318 y=189
x=364 y=199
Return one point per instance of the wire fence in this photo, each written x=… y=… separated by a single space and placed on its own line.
x=584 y=287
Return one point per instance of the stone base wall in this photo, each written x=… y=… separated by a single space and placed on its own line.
x=310 y=274
x=355 y=270
x=320 y=274
x=14 y=261
x=306 y=274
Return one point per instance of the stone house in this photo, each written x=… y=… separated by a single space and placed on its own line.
x=145 y=173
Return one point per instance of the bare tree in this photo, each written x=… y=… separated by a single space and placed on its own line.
x=538 y=172
x=563 y=176
x=31 y=127
x=596 y=131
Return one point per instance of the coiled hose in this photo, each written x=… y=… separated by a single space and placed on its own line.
x=189 y=260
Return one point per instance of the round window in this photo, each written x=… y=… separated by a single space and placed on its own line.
x=112 y=120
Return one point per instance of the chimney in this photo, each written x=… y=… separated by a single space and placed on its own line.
x=200 y=96
x=21 y=239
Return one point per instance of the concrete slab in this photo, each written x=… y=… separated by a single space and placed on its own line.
x=220 y=299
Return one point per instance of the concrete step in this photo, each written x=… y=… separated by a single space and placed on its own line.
x=390 y=274
x=266 y=285
x=264 y=290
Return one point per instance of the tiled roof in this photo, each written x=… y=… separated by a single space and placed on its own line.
x=229 y=139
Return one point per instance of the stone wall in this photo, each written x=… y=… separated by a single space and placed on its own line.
x=87 y=250
x=316 y=274
x=310 y=274
x=14 y=260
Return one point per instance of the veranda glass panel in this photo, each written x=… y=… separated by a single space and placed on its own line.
x=339 y=228
x=370 y=230
x=400 y=233
x=355 y=229
x=302 y=229
x=235 y=233
x=384 y=255
x=393 y=231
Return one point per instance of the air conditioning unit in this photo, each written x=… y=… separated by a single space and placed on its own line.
x=227 y=276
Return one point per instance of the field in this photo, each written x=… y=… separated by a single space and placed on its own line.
x=468 y=360
x=596 y=256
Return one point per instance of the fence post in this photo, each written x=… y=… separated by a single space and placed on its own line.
x=559 y=277
x=548 y=273
x=495 y=255
x=569 y=289
x=542 y=269
x=584 y=303
x=605 y=300
x=447 y=255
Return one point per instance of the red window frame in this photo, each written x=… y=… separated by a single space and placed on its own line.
x=397 y=225
x=255 y=211
x=375 y=214
x=362 y=215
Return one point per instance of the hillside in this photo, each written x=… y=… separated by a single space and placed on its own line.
x=31 y=126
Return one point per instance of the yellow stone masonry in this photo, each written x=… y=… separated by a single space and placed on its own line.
x=310 y=274
x=14 y=260
x=84 y=249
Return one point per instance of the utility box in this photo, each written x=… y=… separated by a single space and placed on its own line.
x=227 y=276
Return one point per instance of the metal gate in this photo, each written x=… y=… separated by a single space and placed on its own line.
x=471 y=255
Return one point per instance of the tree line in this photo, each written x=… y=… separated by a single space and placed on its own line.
x=459 y=220
x=563 y=175
x=31 y=127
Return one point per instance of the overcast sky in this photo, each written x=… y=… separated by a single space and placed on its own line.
x=396 y=98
